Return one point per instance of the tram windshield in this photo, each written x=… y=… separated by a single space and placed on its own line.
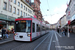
x=23 y=26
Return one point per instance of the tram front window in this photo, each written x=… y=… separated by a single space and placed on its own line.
x=23 y=26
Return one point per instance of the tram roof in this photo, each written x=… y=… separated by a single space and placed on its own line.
x=26 y=18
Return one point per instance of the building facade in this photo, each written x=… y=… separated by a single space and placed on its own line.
x=11 y=9
x=36 y=6
x=63 y=21
x=70 y=14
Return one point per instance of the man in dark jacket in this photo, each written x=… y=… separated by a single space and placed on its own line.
x=3 y=32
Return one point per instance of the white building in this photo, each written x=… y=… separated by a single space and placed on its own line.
x=11 y=9
x=63 y=21
x=70 y=14
x=70 y=11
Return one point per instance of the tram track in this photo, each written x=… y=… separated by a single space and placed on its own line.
x=15 y=45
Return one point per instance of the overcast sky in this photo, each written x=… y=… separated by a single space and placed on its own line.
x=53 y=10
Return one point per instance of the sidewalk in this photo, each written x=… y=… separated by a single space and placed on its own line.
x=7 y=40
x=67 y=43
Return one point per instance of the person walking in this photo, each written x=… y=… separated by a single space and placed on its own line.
x=12 y=30
x=65 y=31
x=3 y=32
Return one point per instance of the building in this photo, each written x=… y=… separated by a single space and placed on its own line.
x=63 y=21
x=11 y=9
x=46 y=22
x=58 y=24
x=53 y=26
x=70 y=14
x=36 y=7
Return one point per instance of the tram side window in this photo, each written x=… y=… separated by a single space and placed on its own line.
x=42 y=28
x=37 y=28
x=33 y=27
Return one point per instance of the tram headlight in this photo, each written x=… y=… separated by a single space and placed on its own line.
x=28 y=35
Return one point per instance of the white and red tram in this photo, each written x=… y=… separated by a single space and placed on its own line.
x=28 y=29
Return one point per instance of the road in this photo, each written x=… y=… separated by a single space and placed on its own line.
x=49 y=41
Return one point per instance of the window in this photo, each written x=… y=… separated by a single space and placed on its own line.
x=14 y=1
x=18 y=3
x=74 y=7
x=21 y=6
x=17 y=11
x=33 y=27
x=24 y=7
x=14 y=10
x=43 y=28
x=23 y=26
x=29 y=11
x=21 y=13
x=24 y=14
x=11 y=0
x=38 y=28
x=5 y=6
x=10 y=8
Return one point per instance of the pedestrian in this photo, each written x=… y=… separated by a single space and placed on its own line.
x=3 y=32
x=0 y=34
x=7 y=33
x=58 y=30
x=12 y=30
x=65 y=31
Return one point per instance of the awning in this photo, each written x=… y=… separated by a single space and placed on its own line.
x=5 y=17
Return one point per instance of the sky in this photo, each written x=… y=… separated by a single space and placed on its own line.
x=53 y=10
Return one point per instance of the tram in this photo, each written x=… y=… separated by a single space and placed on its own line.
x=28 y=29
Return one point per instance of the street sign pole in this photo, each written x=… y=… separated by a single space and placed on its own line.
x=68 y=28
x=68 y=31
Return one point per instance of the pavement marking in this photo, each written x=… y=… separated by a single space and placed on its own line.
x=57 y=41
x=50 y=42
x=56 y=37
x=59 y=35
x=54 y=41
x=40 y=43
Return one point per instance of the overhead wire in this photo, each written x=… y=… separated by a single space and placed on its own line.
x=43 y=9
x=48 y=3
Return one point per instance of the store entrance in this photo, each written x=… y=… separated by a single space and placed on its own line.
x=1 y=26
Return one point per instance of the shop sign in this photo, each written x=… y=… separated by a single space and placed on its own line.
x=69 y=22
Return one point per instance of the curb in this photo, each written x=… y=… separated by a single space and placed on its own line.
x=6 y=41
